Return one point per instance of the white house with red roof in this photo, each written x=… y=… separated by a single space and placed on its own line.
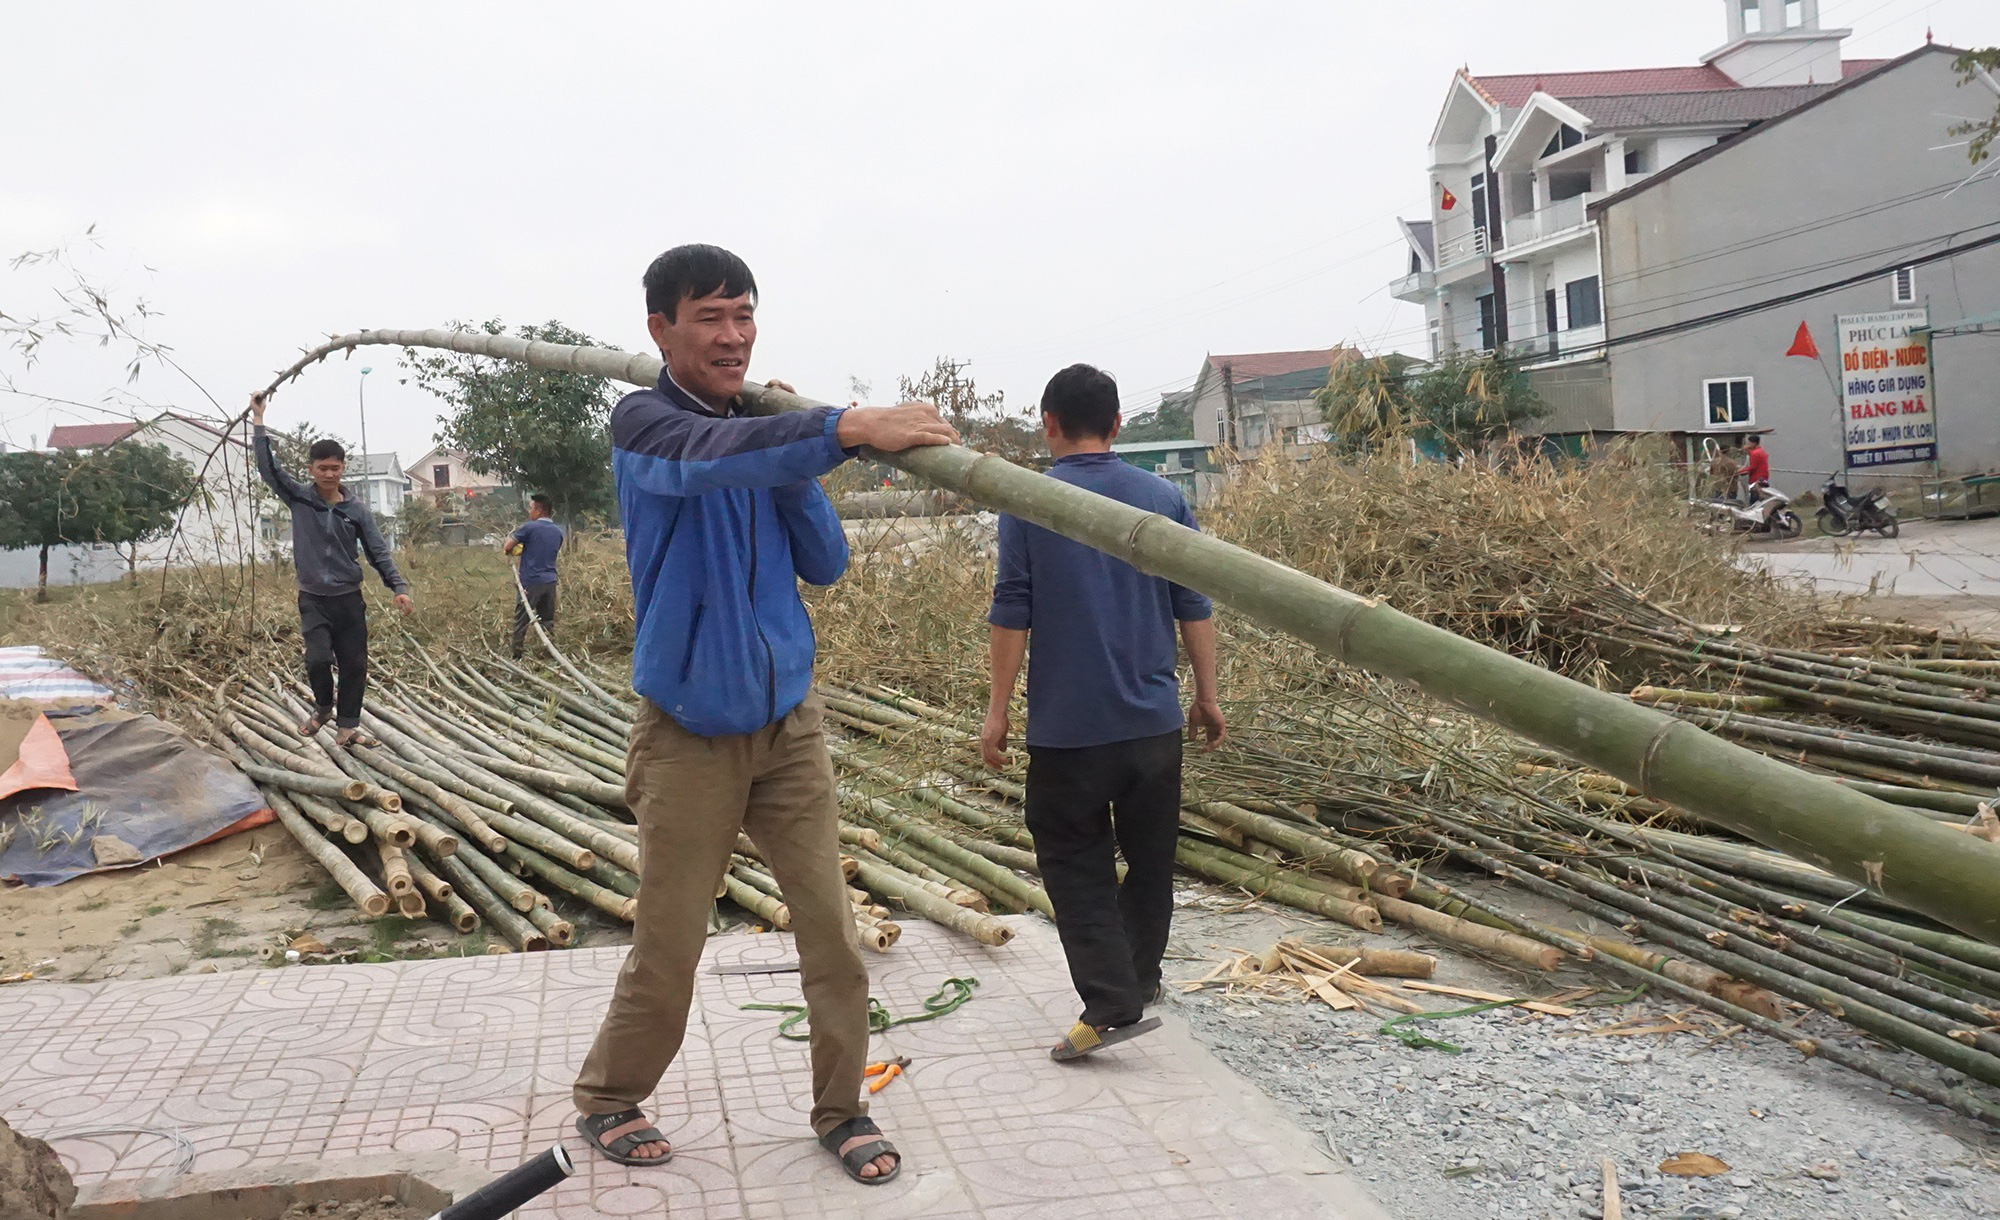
x=1566 y=230
x=219 y=524
x=1254 y=399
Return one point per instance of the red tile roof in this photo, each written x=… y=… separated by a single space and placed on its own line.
x=1251 y=365
x=1514 y=91
x=90 y=436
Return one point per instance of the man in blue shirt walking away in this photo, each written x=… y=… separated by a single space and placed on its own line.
x=1104 y=716
x=724 y=515
x=537 y=542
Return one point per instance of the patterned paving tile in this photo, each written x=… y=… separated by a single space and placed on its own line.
x=475 y=1057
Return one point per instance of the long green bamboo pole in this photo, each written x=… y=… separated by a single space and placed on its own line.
x=365 y=893
x=1919 y=863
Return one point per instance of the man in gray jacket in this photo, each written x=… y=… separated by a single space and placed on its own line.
x=327 y=525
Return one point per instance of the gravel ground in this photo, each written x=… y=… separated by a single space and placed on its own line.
x=1514 y=1127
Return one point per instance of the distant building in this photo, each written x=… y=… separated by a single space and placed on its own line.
x=377 y=480
x=218 y=524
x=1188 y=465
x=446 y=475
x=1245 y=402
x=1592 y=225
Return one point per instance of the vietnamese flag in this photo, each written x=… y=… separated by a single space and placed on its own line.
x=1803 y=345
x=1449 y=201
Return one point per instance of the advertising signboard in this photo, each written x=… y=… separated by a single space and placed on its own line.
x=1885 y=387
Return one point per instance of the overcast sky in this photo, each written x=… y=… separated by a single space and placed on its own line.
x=1020 y=185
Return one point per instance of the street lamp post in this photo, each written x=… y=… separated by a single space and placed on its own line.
x=361 y=395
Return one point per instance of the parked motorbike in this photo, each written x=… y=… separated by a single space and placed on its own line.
x=1841 y=514
x=1767 y=515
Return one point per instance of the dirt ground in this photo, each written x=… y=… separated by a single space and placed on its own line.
x=234 y=904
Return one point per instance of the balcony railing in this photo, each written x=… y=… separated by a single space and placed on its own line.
x=1580 y=343
x=1558 y=217
x=1416 y=286
x=1468 y=242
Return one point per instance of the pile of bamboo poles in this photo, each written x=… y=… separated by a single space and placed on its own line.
x=1752 y=935
x=498 y=789
x=496 y=792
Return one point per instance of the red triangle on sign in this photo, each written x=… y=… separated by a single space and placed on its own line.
x=1803 y=345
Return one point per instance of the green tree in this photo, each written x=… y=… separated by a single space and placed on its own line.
x=537 y=429
x=1452 y=406
x=290 y=446
x=982 y=419
x=1172 y=420
x=1980 y=66
x=121 y=496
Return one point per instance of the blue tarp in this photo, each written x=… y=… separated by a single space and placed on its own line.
x=137 y=781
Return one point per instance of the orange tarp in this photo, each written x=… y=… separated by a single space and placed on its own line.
x=40 y=760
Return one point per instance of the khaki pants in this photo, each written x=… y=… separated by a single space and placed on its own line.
x=691 y=795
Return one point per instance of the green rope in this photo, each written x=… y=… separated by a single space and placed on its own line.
x=1394 y=1026
x=949 y=997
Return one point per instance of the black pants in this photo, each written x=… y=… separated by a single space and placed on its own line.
x=336 y=631
x=1082 y=804
x=542 y=600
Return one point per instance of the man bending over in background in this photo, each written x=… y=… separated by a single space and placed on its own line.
x=1104 y=716
x=328 y=524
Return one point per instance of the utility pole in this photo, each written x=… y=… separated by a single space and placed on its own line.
x=361 y=397
x=1234 y=437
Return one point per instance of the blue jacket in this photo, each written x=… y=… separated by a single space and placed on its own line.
x=724 y=516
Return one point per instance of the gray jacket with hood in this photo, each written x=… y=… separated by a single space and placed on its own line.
x=325 y=536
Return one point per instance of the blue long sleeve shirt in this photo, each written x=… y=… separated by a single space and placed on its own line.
x=724 y=515
x=1101 y=649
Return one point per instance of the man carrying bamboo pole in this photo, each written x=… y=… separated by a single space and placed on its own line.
x=1104 y=716
x=328 y=524
x=537 y=542
x=724 y=515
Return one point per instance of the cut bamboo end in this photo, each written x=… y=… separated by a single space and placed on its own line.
x=1478 y=936
x=395 y=871
x=850 y=868
x=354 y=832
x=411 y=905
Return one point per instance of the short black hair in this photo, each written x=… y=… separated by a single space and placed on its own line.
x=690 y=272
x=542 y=498
x=1083 y=400
x=322 y=450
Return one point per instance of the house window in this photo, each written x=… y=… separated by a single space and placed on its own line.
x=1795 y=14
x=1479 y=202
x=1586 y=308
x=1635 y=161
x=1905 y=286
x=1732 y=402
x=1486 y=323
x=440 y=476
x=1753 y=16
x=1565 y=137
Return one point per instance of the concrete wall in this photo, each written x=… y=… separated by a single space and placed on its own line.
x=1726 y=232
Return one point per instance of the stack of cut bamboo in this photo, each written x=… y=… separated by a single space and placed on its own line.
x=1747 y=933
x=496 y=790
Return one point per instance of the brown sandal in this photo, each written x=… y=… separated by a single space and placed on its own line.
x=353 y=737
x=316 y=722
